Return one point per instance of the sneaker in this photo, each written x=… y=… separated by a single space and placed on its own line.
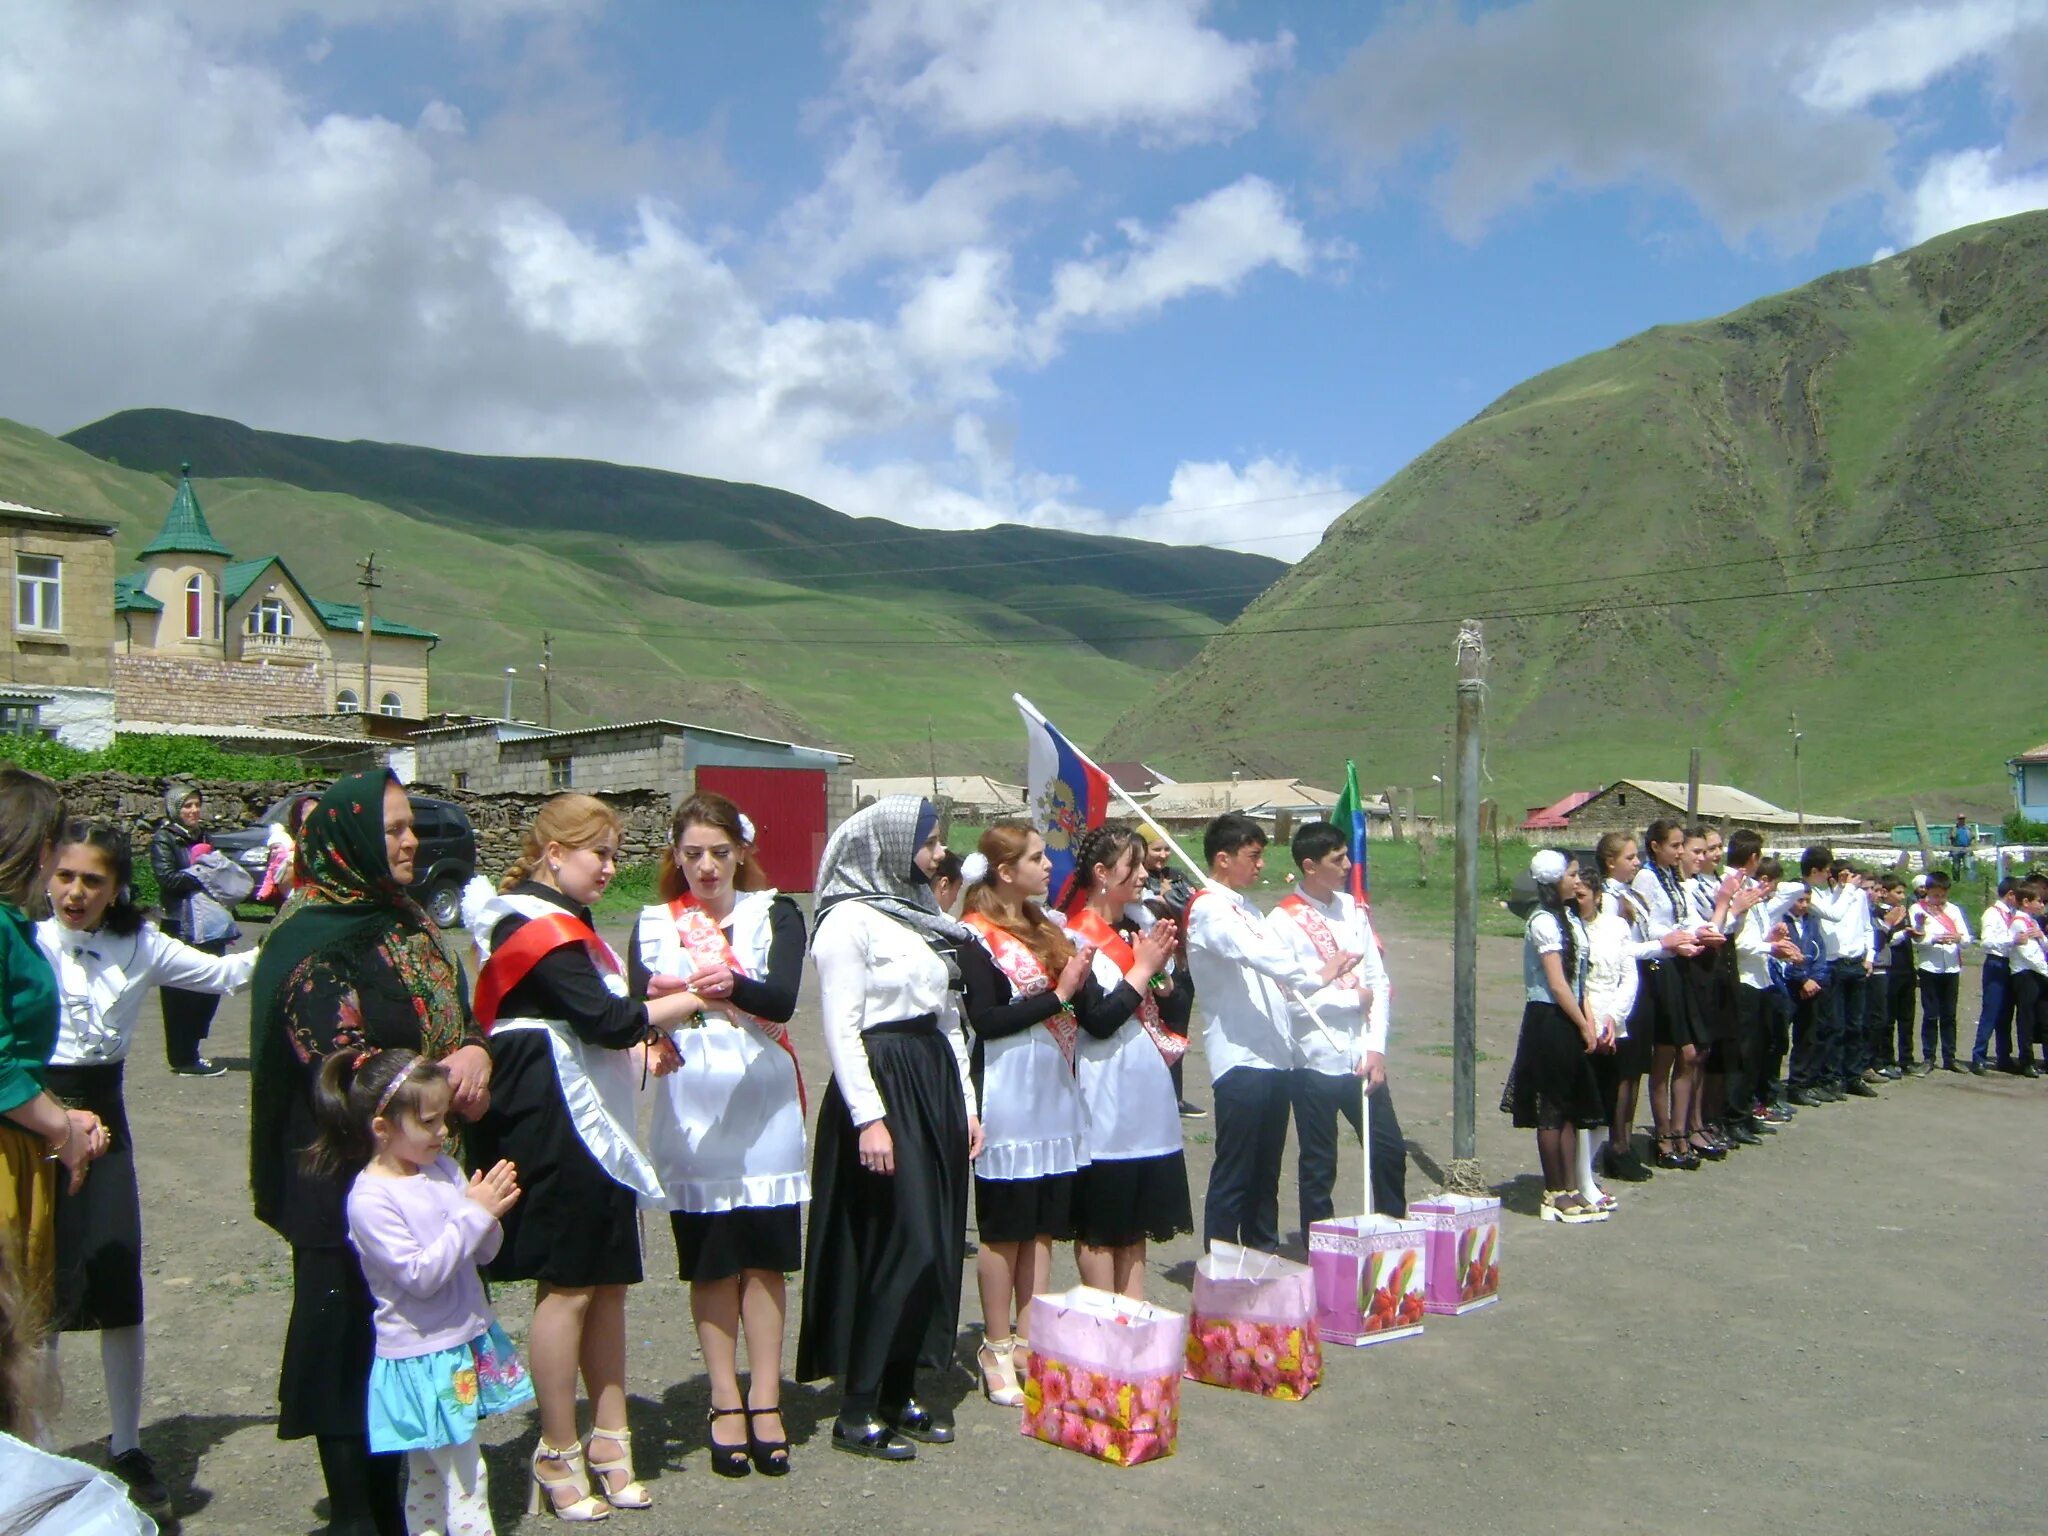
x=1769 y=1116
x=1192 y=1111
x=1784 y=1107
x=199 y=1066
x=145 y=1488
x=1891 y=1074
x=1925 y=1069
x=1873 y=1075
x=1978 y=1069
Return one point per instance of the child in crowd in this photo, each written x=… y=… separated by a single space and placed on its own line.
x=420 y=1230
x=2029 y=956
x=1994 y=1014
x=1807 y=977
x=1895 y=937
x=1940 y=934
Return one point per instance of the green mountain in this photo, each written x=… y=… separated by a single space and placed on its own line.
x=670 y=594
x=1828 y=502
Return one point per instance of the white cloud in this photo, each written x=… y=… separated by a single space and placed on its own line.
x=1210 y=245
x=1269 y=506
x=989 y=66
x=1967 y=188
x=1902 y=50
x=961 y=321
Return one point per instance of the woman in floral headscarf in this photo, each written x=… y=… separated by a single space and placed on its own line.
x=352 y=964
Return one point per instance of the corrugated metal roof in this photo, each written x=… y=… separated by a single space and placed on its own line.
x=129 y=596
x=234 y=732
x=1719 y=800
x=1246 y=795
x=44 y=514
x=666 y=725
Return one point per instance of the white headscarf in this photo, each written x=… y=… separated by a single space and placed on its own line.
x=872 y=858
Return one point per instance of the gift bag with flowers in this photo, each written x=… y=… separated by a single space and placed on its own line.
x=1104 y=1375
x=1370 y=1276
x=1254 y=1324
x=1464 y=1251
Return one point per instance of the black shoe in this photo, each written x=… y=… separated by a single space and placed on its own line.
x=2030 y=1070
x=2010 y=1067
x=199 y=1066
x=770 y=1457
x=1627 y=1167
x=1832 y=1093
x=1949 y=1066
x=1192 y=1111
x=727 y=1460
x=1784 y=1107
x=1803 y=1098
x=1856 y=1088
x=870 y=1437
x=934 y=1426
x=145 y=1488
x=1740 y=1133
x=1978 y=1069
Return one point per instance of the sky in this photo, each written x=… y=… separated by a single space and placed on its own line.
x=1198 y=272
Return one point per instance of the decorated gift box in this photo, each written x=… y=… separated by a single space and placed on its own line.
x=1253 y=1327
x=1370 y=1273
x=1464 y=1251
x=1104 y=1375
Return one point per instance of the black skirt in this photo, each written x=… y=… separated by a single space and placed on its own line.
x=882 y=1263
x=716 y=1245
x=323 y=1387
x=1552 y=1082
x=1019 y=1210
x=1676 y=1020
x=1706 y=978
x=1127 y=1200
x=575 y=1225
x=1631 y=1056
x=99 y=1229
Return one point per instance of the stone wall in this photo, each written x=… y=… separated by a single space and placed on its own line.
x=213 y=692
x=502 y=819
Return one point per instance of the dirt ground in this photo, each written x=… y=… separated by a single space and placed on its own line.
x=1837 y=1332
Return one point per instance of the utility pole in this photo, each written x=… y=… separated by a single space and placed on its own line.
x=369 y=583
x=510 y=673
x=931 y=742
x=1464 y=1172
x=1692 y=786
x=547 y=680
x=1798 y=784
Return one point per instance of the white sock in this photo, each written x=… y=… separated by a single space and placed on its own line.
x=121 y=1365
x=449 y=1492
x=1587 y=1187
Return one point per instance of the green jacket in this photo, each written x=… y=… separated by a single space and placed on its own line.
x=28 y=1010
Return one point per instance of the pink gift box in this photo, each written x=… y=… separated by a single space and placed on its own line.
x=1370 y=1274
x=1464 y=1251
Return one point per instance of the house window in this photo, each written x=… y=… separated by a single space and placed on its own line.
x=39 y=593
x=18 y=719
x=390 y=704
x=269 y=617
x=462 y=778
x=195 y=607
x=1621 y=801
x=347 y=702
x=558 y=773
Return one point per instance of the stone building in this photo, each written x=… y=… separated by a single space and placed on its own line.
x=59 y=646
x=1630 y=805
x=204 y=638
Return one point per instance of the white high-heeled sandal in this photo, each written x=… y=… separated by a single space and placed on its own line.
x=634 y=1495
x=541 y=1496
x=997 y=1358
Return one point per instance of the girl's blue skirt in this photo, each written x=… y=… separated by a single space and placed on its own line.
x=430 y=1401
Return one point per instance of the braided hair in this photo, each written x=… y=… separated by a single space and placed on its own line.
x=1105 y=845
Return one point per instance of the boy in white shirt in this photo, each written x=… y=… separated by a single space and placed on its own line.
x=1320 y=920
x=2029 y=957
x=1940 y=933
x=1241 y=974
x=1994 y=1014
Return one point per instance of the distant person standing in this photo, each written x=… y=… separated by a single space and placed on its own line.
x=1962 y=839
x=188 y=1016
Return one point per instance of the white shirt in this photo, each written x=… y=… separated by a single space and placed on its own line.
x=1844 y=913
x=1362 y=1030
x=1753 y=947
x=1126 y=1086
x=873 y=970
x=1937 y=959
x=103 y=978
x=1659 y=916
x=2028 y=952
x=1239 y=971
x=1611 y=978
x=1997 y=931
x=1626 y=899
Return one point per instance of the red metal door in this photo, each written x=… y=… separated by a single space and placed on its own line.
x=787 y=808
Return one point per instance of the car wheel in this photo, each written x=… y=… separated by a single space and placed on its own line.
x=444 y=903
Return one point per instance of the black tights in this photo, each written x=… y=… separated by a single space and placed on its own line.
x=365 y=1492
x=1555 y=1150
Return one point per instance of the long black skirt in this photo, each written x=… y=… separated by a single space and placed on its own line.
x=883 y=1259
x=323 y=1387
x=1551 y=1083
x=99 y=1229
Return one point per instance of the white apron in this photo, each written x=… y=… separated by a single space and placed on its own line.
x=1033 y=1123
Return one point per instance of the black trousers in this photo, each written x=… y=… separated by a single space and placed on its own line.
x=189 y=1015
x=1748 y=1054
x=1243 y=1203
x=1813 y=1040
x=1319 y=1098
x=1900 y=993
x=1938 y=1014
x=2029 y=994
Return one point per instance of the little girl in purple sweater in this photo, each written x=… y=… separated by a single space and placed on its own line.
x=442 y=1360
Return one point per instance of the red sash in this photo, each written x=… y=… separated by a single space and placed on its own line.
x=1087 y=924
x=1027 y=977
x=1317 y=927
x=707 y=944
x=1942 y=917
x=512 y=961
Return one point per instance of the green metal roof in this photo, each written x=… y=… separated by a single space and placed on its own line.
x=238 y=576
x=130 y=598
x=184 y=531
x=349 y=616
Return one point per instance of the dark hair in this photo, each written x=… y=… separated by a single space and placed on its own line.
x=1819 y=856
x=708 y=809
x=1105 y=845
x=1770 y=869
x=1317 y=840
x=1004 y=843
x=1698 y=829
x=123 y=917
x=1549 y=900
x=1230 y=832
x=345 y=1099
x=1744 y=845
x=947 y=866
x=1938 y=877
x=2034 y=888
x=1658 y=830
x=1844 y=867
x=2006 y=885
x=31 y=815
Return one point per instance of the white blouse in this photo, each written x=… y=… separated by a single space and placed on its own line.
x=874 y=970
x=1125 y=1084
x=103 y=978
x=1611 y=978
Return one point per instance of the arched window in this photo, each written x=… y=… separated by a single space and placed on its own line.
x=270 y=617
x=390 y=704
x=195 y=607
x=347 y=702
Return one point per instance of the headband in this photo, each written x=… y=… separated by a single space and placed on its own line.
x=391 y=1088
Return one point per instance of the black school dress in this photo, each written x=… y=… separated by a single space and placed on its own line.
x=574 y=1224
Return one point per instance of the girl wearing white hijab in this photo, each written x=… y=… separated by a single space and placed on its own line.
x=897 y=1133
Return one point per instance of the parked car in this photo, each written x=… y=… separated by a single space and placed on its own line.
x=447 y=856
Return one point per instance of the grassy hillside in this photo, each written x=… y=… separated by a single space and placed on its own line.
x=1681 y=540
x=638 y=629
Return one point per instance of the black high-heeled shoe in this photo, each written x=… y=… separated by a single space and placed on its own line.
x=770 y=1457
x=727 y=1460
x=1673 y=1153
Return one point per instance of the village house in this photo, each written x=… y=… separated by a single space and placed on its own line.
x=202 y=638
x=1630 y=805
x=974 y=798
x=60 y=645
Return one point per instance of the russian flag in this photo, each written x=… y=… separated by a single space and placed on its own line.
x=1068 y=795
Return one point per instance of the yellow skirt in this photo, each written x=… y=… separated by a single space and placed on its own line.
x=28 y=1212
